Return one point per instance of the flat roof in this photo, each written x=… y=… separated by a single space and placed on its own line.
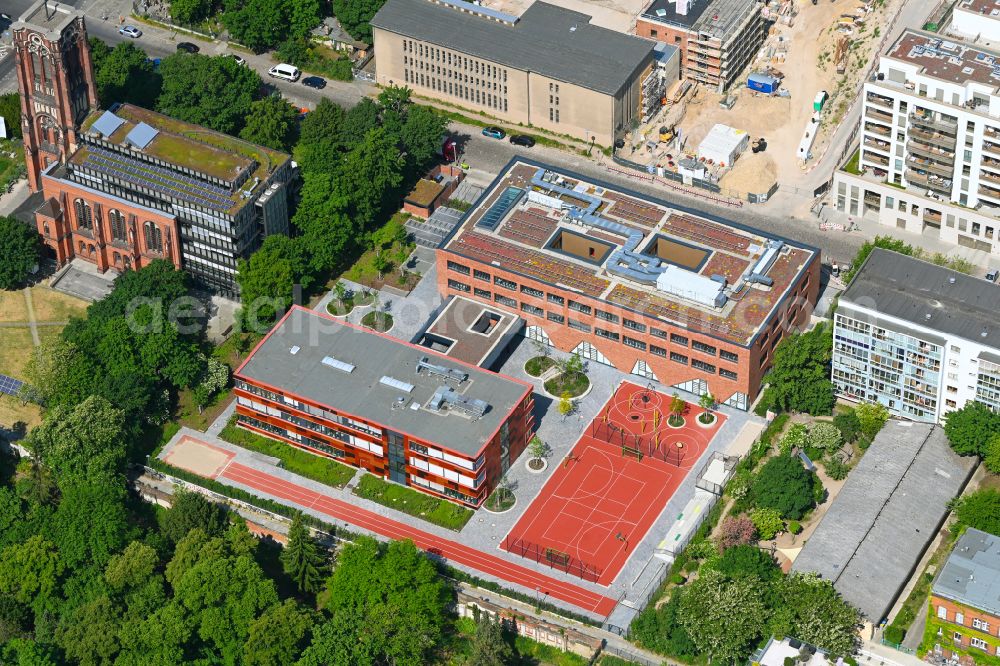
x=949 y=60
x=49 y=16
x=516 y=235
x=363 y=393
x=475 y=330
x=179 y=145
x=547 y=40
x=971 y=574
x=891 y=507
x=987 y=8
x=424 y=192
x=718 y=18
x=928 y=296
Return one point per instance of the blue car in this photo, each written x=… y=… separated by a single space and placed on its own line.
x=494 y=132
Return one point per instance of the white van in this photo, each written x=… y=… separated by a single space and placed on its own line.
x=285 y=71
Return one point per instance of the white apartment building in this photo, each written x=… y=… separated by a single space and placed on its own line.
x=929 y=157
x=921 y=339
x=976 y=20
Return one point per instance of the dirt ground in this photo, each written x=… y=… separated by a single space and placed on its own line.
x=198 y=457
x=808 y=67
x=612 y=14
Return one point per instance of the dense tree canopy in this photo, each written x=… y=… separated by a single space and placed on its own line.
x=213 y=92
x=272 y=122
x=723 y=617
x=980 y=510
x=799 y=380
x=268 y=280
x=124 y=74
x=784 y=484
x=354 y=16
x=263 y=24
x=970 y=428
x=189 y=12
x=19 y=249
x=10 y=110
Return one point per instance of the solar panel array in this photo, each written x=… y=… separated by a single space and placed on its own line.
x=9 y=385
x=496 y=212
x=177 y=185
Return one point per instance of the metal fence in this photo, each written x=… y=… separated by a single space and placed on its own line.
x=553 y=558
x=630 y=656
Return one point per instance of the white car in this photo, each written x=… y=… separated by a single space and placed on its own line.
x=285 y=71
x=238 y=59
x=130 y=31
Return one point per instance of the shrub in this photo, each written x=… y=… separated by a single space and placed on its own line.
x=824 y=436
x=747 y=560
x=795 y=527
x=848 y=425
x=836 y=468
x=894 y=634
x=980 y=510
x=677 y=579
x=785 y=485
x=795 y=438
x=736 y=532
x=767 y=521
x=871 y=418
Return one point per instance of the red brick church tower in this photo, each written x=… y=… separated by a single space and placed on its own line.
x=56 y=82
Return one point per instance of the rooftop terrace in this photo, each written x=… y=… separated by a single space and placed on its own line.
x=945 y=60
x=620 y=247
x=181 y=160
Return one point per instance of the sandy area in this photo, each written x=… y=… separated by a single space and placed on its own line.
x=753 y=173
x=198 y=457
x=612 y=14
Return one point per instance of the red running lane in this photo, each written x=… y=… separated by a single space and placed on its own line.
x=456 y=552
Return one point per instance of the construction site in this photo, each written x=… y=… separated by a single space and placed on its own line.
x=786 y=114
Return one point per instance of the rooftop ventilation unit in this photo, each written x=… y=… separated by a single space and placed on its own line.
x=396 y=383
x=337 y=364
x=445 y=397
x=441 y=371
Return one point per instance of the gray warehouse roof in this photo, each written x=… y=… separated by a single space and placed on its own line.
x=971 y=575
x=345 y=368
x=878 y=527
x=928 y=295
x=547 y=40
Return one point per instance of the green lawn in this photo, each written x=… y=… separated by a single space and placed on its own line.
x=852 y=165
x=311 y=466
x=574 y=383
x=433 y=510
x=537 y=365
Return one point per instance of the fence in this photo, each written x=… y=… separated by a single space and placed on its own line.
x=674 y=181
x=553 y=558
x=630 y=656
x=644 y=445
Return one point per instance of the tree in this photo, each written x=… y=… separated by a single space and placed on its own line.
x=304 y=15
x=706 y=401
x=279 y=635
x=488 y=645
x=810 y=609
x=214 y=92
x=767 y=521
x=871 y=417
x=268 y=280
x=677 y=408
x=132 y=567
x=10 y=111
x=795 y=437
x=991 y=454
x=800 y=375
x=970 y=428
x=747 y=560
x=723 y=617
x=190 y=511
x=89 y=633
x=30 y=571
x=421 y=135
x=91 y=523
x=736 y=531
x=354 y=16
x=328 y=234
x=190 y=12
x=18 y=252
x=980 y=510
x=370 y=172
x=58 y=373
x=387 y=605
x=884 y=242
x=848 y=425
x=659 y=629
x=785 y=485
x=537 y=448
x=565 y=404
x=272 y=122
x=81 y=443
x=301 y=558
x=124 y=74
x=257 y=24
x=824 y=436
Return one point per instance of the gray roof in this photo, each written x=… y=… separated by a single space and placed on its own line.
x=891 y=506
x=910 y=289
x=547 y=40
x=971 y=575
x=362 y=393
x=141 y=135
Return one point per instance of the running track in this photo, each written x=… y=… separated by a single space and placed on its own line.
x=455 y=552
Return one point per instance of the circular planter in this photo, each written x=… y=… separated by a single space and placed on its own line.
x=369 y=321
x=590 y=387
x=544 y=466
x=683 y=422
x=552 y=363
x=702 y=424
x=499 y=511
x=338 y=314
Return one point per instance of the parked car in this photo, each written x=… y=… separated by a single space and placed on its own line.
x=494 y=132
x=285 y=71
x=237 y=58
x=130 y=31
x=992 y=276
x=522 y=140
x=187 y=47
x=317 y=82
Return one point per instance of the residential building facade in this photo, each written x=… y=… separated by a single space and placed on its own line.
x=400 y=411
x=929 y=155
x=718 y=39
x=963 y=615
x=921 y=339
x=549 y=68
x=644 y=286
x=123 y=187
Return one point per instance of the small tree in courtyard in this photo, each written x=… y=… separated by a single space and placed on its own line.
x=565 y=404
x=707 y=402
x=677 y=407
x=537 y=449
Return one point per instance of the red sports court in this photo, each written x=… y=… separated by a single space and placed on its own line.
x=610 y=489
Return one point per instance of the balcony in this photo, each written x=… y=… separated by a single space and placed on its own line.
x=989 y=177
x=991 y=132
x=880 y=100
x=933 y=138
x=929 y=121
x=879 y=130
x=931 y=182
x=991 y=148
x=874 y=158
x=944 y=170
x=875 y=144
x=932 y=218
x=872 y=113
x=989 y=191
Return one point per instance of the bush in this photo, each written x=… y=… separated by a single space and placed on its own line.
x=788 y=661
x=785 y=485
x=677 y=579
x=796 y=437
x=767 y=521
x=848 y=425
x=836 y=468
x=795 y=527
x=871 y=418
x=894 y=634
x=824 y=436
x=736 y=532
x=415 y=503
x=747 y=560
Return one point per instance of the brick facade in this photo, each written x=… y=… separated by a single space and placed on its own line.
x=669 y=351
x=957 y=631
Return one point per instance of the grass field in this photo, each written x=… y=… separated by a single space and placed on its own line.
x=438 y=511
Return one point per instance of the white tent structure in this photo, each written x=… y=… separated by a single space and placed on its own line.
x=723 y=144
